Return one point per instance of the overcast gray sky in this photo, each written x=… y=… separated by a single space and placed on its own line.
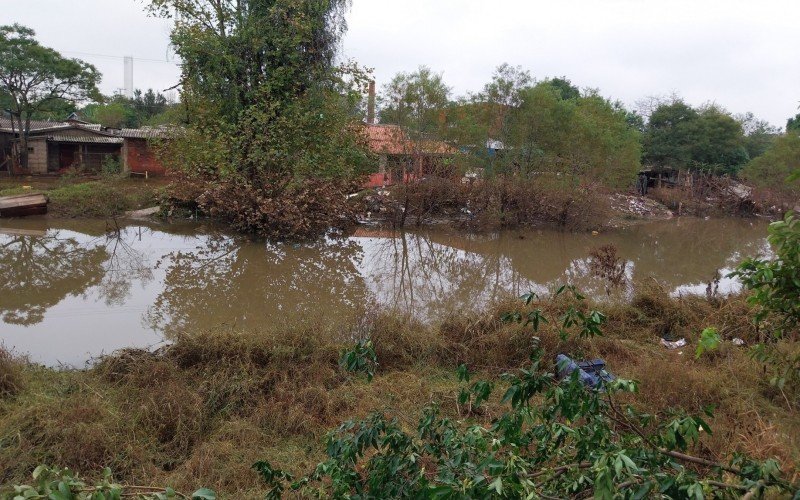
x=742 y=54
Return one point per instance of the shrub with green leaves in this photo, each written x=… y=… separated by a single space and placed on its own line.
x=361 y=359
x=63 y=484
x=555 y=439
x=775 y=287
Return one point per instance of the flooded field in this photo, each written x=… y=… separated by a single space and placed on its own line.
x=73 y=290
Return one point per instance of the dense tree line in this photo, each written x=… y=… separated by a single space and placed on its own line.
x=266 y=108
x=143 y=109
x=552 y=125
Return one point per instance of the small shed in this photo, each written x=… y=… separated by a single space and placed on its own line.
x=656 y=177
x=398 y=155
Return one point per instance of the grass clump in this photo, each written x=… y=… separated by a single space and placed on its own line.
x=80 y=197
x=90 y=199
x=11 y=381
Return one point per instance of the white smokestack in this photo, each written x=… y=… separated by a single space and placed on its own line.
x=129 y=77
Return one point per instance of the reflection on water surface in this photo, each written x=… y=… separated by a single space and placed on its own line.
x=70 y=290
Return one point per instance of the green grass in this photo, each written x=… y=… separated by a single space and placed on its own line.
x=14 y=191
x=75 y=198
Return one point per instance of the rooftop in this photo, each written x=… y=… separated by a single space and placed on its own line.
x=393 y=140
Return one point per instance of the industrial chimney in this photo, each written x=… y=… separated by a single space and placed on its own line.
x=128 y=60
x=371 y=103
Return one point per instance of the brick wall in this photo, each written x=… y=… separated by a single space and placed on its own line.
x=139 y=158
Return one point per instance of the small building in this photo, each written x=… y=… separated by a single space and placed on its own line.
x=657 y=177
x=399 y=155
x=57 y=147
x=137 y=150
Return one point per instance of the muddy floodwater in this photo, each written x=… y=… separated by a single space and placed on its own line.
x=73 y=290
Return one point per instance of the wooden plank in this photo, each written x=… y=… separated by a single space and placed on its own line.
x=23 y=204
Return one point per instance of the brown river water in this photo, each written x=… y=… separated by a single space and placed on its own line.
x=74 y=290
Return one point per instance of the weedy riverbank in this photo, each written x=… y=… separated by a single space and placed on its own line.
x=201 y=411
x=84 y=197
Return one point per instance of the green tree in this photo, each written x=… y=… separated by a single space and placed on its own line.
x=793 y=124
x=268 y=111
x=775 y=287
x=583 y=137
x=719 y=142
x=148 y=105
x=759 y=134
x=116 y=112
x=478 y=118
x=565 y=87
x=417 y=101
x=500 y=98
x=144 y=108
x=37 y=78
x=670 y=135
x=776 y=165
x=709 y=139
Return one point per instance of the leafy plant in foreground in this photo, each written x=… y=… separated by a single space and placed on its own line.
x=63 y=484
x=775 y=287
x=361 y=359
x=555 y=439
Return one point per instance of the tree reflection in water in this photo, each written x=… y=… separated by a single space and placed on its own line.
x=412 y=273
x=38 y=269
x=194 y=278
x=232 y=281
x=124 y=265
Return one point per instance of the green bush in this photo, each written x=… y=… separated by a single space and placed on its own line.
x=111 y=166
x=63 y=484
x=555 y=439
x=775 y=287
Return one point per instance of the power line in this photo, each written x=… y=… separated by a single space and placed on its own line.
x=108 y=56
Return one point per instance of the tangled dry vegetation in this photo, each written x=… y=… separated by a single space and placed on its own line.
x=722 y=196
x=203 y=410
x=500 y=202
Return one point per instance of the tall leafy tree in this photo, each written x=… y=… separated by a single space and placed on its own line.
x=149 y=104
x=670 y=135
x=776 y=165
x=759 y=134
x=417 y=101
x=565 y=87
x=268 y=110
x=680 y=136
x=37 y=78
x=719 y=142
x=474 y=119
x=793 y=124
x=239 y=52
x=586 y=136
